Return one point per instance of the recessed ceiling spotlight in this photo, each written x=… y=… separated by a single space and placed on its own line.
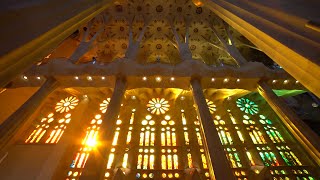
x=103 y=78
x=238 y=80
x=226 y=80
x=133 y=97
x=213 y=79
x=25 y=77
x=38 y=77
x=158 y=79
x=89 y=78
x=172 y=79
x=144 y=78
x=76 y=77
x=285 y=81
x=182 y=97
x=274 y=81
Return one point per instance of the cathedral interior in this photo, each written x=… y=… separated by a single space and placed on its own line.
x=147 y=89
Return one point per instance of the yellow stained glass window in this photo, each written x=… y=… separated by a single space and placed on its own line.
x=163 y=162
x=190 y=164
x=204 y=161
x=139 y=164
x=110 y=161
x=125 y=160
x=115 y=138
x=175 y=161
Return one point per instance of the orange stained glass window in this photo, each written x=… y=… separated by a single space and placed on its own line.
x=204 y=161
x=190 y=164
x=50 y=128
x=125 y=160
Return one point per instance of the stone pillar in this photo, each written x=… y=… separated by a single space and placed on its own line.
x=216 y=157
x=269 y=26
x=96 y=164
x=10 y=126
x=306 y=137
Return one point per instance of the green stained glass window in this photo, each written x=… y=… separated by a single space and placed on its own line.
x=247 y=106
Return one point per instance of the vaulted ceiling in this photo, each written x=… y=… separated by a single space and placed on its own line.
x=158 y=43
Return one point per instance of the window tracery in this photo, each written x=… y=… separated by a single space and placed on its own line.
x=50 y=129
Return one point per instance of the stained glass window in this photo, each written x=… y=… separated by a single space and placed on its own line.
x=247 y=106
x=163 y=139
x=50 y=128
x=88 y=142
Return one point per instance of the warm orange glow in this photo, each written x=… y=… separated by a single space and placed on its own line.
x=198 y=3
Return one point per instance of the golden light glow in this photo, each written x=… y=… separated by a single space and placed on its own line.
x=65 y=105
x=158 y=106
x=104 y=105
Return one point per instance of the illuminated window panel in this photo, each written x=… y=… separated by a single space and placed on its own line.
x=88 y=142
x=252 y=162
x=115 y=138
x=233 y=157
x=51 y=128
x=239 y=134
x=67 y=104
x=183 y=118
x=199 y=138
x=267 y=156
x=158 y=106
x=104 y=105
x=240 y=175
x=110 y=160
x=163 y=162
x=247 y=106
x=146 y=159
x=168 y=135
x=190 y=163
x=271 y=131
x=233 y=120
x=132 y=116
x=129 y=136
x=169 y=160
x=125 y=160
x=288 y=156
x=256 y=135
x=204 y=161
x=139 y=163
x=147 y=134
x=186 y=138
x=211 y=106
x=299 y=174
x=225 y=136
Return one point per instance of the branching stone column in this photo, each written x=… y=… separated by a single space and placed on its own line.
x=309 y=140
x=217 y=160
x=134 y=46
x=9 y=127
x=85 y=44
x=96 y=164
